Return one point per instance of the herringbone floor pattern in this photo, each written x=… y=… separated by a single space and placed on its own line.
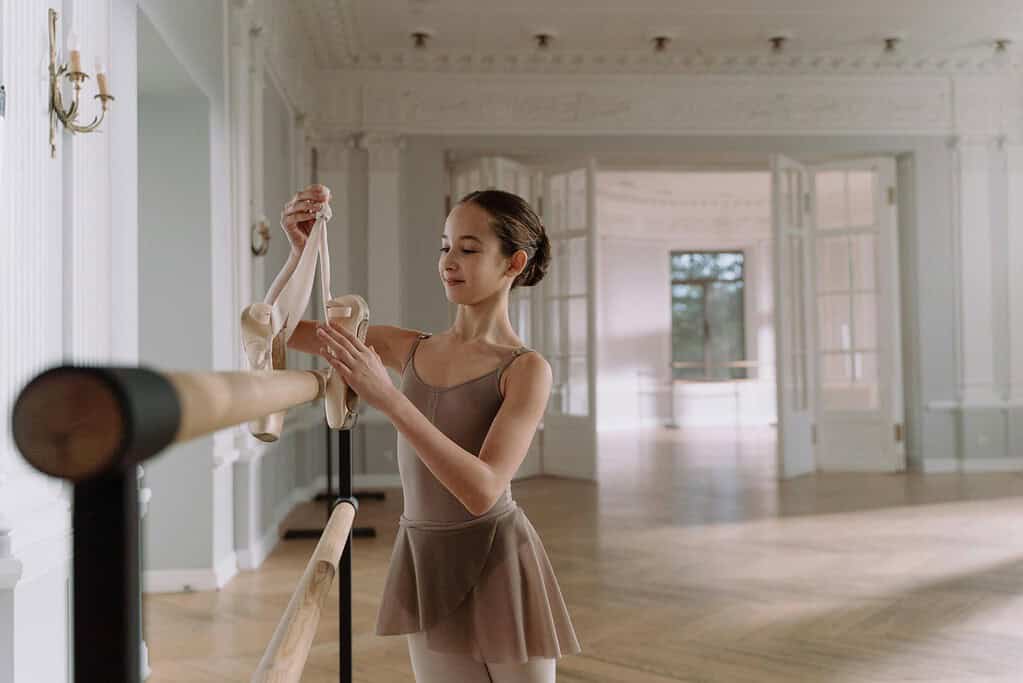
x=689 y=562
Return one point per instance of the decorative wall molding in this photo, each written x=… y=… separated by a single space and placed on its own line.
x=636 y=62
x=946 y=465
x=620 y=105
x=1014 y=168
x=670 y=103
x=972 y=253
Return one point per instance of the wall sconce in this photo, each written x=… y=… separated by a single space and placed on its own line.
x=74 y=73
x=259 y=238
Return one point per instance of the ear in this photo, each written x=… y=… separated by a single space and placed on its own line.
x=518 y=262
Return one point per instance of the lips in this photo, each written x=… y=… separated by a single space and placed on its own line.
x=454 y=282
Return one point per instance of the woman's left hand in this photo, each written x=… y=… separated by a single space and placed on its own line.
x=358 y=365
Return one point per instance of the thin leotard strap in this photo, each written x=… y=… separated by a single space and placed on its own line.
x=518 y=352
x=412 y=351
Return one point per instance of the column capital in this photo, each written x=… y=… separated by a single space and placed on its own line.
x=334 y=149
x=384 y=150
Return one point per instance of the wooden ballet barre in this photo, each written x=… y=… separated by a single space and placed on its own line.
x=288 y=649
x=75 y=422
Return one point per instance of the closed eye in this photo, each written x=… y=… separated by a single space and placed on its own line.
x=464 y=251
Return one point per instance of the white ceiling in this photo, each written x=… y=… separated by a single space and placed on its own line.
x=342 y=29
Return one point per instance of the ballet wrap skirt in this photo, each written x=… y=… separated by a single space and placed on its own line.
x=482 y=587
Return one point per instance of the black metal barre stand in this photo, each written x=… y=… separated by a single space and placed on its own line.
x=344 y=464
x=107 y=602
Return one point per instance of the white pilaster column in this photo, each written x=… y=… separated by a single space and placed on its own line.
x=241 y=161
x=335 y=168
x=257 y=61
x=1014 y=164
x=384 y=257
x=973 y=259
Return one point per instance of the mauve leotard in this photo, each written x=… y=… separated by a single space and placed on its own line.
x=480 y=586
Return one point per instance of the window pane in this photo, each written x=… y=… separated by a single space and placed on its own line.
x=833 y=264
x=861 y=197
x=831 y=199
x=552 y=326
x=864 y=260
x=578 y=387
x=725 y=329
x=577 y=337
x=575 y=249
x=687 y=328
x=576 y=216
x=708 y=327
x=833 y=322
x=555 y=213
x=865 y=312
x=557 y=400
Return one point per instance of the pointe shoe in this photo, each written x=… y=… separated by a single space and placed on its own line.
x=340 y=401
x=265 y=351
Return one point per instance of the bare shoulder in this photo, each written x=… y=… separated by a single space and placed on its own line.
x=391 y=343
x=528 y=373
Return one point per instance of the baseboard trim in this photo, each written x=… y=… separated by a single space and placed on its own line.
x=971 y=465
x=178 y=580
x=187 y=580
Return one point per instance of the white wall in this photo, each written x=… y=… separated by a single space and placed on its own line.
x=634 y=294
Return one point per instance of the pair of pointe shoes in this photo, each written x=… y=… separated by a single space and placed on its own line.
x=267 y=326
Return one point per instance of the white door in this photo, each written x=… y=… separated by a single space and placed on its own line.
x=569 y=320
x=791 y=200
x=858 y=355
x=504 y=174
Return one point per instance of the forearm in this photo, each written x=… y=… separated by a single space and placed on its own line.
x=304 y=338
x=282 y=277
x=467 y=477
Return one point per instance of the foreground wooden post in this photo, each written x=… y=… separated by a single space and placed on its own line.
x=288 y=649
x=90 y=426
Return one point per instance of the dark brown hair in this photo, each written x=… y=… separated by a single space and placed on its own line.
x=518 y=227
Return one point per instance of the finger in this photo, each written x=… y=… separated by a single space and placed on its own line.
x=338 y=339
x=319 y=189
x=302 y=206
x=312 y=193
x=298 y=218
x=340 y=366
x=351 y=336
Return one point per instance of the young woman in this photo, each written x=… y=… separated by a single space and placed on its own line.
x=469 y=580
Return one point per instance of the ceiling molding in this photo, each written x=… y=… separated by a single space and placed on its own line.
x=635 y=62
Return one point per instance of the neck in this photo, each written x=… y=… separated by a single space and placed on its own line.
x=484 y=322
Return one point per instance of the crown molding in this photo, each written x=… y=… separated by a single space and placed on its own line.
x=645 y=62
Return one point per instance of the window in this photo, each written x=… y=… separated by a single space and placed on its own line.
x=707 y=325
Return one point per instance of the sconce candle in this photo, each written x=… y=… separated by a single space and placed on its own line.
x=76 y=54
x=101 y=77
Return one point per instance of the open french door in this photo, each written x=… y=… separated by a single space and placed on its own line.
x=837 y=325
x=858 y=360
x=568 y=341
x=791 y=201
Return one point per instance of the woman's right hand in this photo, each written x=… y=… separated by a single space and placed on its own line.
x=299 y=214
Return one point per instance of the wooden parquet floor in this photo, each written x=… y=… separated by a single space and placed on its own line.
x=689 y=562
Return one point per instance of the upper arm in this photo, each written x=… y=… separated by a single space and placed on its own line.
x=391 y=343
x=527 y=389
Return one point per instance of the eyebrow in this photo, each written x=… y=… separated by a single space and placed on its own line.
x=463 y=237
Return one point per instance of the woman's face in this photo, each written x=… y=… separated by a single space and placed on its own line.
x=471 y=264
